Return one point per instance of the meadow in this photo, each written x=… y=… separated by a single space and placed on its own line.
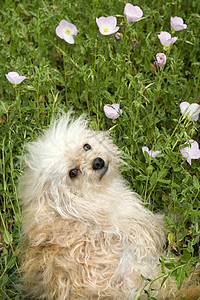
x=98 y=70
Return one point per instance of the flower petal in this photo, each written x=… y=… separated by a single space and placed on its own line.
x=151 y=153
x=191 y=111
x=97 y=21
x=166 y=39
x=174 y=39
x=195 y=151
x=194 y=111
x=145 y=149
x=66 y=30
x=190 y=152
x=164 y=36
x=119 y=36
x=133 y=13
x=189 y=160
x=184 y=153
x=161 y=59
x=107 y=25
x=60 y=31
x=117 y=108
x=111 y=31
x=177 y=23
x=155 y=153
x=112 y=21
x=112 y=111
x=69 y=39
x=73 y=28
x=184 y=107
x=15 y=78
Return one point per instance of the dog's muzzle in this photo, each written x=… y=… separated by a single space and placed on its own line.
x=100 y=165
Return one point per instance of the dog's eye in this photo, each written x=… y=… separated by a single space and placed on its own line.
x=86 y=147
x=73 y=173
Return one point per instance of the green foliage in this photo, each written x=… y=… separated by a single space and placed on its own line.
x=95 y=71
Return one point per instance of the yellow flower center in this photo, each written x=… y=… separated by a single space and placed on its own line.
x=106 y=30
x=68 y=31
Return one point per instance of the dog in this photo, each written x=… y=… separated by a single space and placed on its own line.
x=85 y=234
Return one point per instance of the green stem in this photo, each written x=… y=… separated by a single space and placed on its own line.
x=18 y=102
x=158 y=88
x=66 y=55
x=166 y=274
x=38 y=34
x=191 y=206
x=64 y=67
x=168 y=140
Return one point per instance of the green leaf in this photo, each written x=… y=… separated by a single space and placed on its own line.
x=3 y=107
x=196 y=183
x=12 y=261
x=153 y=178
x=186 y=256
x=170 y=265
x=171 y=237
x=7 y=237
x=180 y=276
x=163 y=281
x=167 y=181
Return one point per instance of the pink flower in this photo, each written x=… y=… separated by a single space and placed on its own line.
x=150 y=152
x=66 y=30
x=15 y=78
x=166 y=39
x=112 y=111
x=190 y=152
x=177 y=23
x=191 y=111
x=107 y=25
x=161 y=59
x=133 y=13
x=119 y=36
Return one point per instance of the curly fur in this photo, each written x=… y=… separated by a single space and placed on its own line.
x=88 y=237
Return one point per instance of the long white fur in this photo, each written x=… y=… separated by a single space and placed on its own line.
x=88 y=237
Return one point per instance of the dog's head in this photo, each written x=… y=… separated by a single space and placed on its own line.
x=70 y=160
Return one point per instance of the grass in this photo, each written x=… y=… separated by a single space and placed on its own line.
x=95 y=71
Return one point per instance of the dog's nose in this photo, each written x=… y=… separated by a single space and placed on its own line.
x=98 y=164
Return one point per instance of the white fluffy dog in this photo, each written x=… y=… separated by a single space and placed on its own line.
x=86 y=235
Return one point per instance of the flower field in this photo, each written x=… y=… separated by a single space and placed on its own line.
x=133 y=69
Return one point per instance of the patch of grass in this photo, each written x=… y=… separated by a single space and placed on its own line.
x=95 y=71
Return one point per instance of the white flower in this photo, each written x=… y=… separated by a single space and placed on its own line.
x=166 y=39
x=191 y=111
x=15 y=78
x=66 y=30
x=150 y=152
x=177 y=23
x=107 y=25
x=112 y=111
x=133 y=13
x=191 y=152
